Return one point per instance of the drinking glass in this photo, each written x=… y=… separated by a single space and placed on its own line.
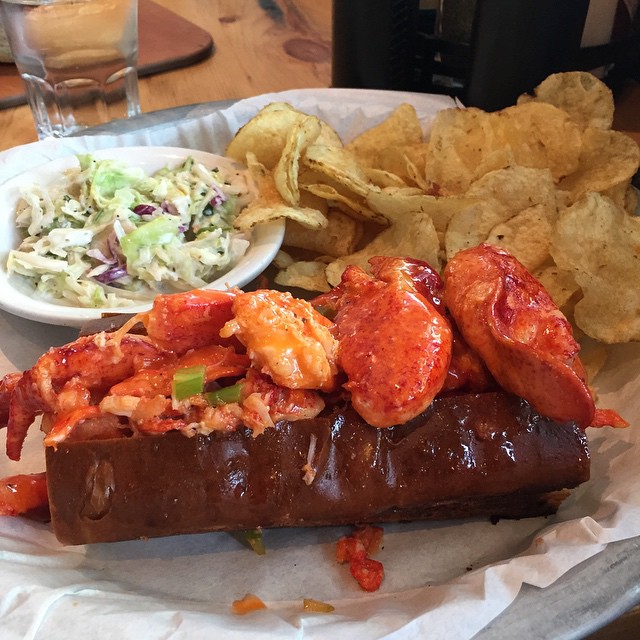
x=77 y=59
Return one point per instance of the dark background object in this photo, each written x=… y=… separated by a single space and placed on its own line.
x=484 y=52
x=373 y=43
x=516 y=44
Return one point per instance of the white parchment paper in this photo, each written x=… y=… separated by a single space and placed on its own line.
x=443 y=580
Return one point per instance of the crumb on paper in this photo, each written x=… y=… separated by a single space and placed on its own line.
x=356 y=550
x=317 y=606
x=247 y=604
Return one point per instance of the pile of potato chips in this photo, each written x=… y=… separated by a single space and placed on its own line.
x=547 y=179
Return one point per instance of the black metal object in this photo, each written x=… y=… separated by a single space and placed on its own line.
x=373 y=43
x=517 y=43
x=512 y=46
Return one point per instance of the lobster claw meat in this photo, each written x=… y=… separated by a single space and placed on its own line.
x=412 y=275
x=183 y=321
x=66 y=377
x=510 y=320
x=466 y=372
x=394 y=346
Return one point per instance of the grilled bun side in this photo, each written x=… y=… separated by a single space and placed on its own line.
x=467 y=455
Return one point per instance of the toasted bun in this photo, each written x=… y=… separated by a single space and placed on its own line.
x=488 y=454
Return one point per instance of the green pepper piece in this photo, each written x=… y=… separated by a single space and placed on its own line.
x=188 y=382
x=254 y=538
x=224 y=395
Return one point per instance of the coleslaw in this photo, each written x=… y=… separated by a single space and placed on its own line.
x=110 y=235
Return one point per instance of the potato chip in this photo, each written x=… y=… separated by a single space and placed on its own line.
x=499 y=158
x=340 y=166
x=268 y=205
x=559 y=283
x=339 y=238
x=467 y=143
x=582 y=95
x=305 y=130
x=352 y=205
x=398 y=204
x=608 y=158
x=472 y=224
x=600 y=244
x=265 y=135
x=527 y=235
x=400 y=128
x=393 y=161
x=308 y=275
x=459 y=140
x=416 y=237
x=255 y=214
x=514 y=208
x=282 y=259
x=516 y=187
x=344 y=183
x=407 y=162
x=382 y=178
x=540 y=136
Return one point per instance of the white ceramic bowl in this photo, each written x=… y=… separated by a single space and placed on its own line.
x=17 y=294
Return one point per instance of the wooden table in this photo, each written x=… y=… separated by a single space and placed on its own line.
x=261 y=46
x=264 y=46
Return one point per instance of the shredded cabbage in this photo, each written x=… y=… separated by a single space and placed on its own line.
x=110 y=235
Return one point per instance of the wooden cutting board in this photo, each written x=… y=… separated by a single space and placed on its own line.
x=165 y=41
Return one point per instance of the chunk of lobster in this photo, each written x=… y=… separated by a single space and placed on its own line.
x=466 y=369
x=182 y=321
x=509 y=319
x=219 y=362
x=24 y=494
x=145 y=398
x=7 y=386
x=259 y=405
x=286 y=339
x=265 y=403
x=409 y=274
x=394 y=346
x=467 y=372
x=67 y=377
x=412 y=275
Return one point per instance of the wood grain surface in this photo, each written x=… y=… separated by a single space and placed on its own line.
x=166 y=41
x=261 y=46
